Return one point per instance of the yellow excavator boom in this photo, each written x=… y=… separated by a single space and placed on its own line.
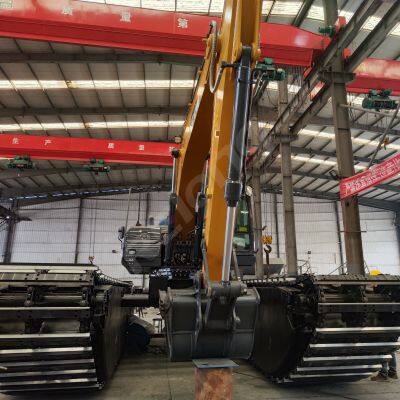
x=208 y=127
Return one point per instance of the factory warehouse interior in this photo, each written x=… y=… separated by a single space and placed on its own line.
x=200 y=199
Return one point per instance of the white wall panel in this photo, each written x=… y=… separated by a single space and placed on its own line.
x=51 y=235
x=381 y=250
x=317 y=240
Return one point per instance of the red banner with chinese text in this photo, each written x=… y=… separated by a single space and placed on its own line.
x=371 y=177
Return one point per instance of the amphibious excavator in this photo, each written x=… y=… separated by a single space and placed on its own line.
x=308 y=328
x=63 y=326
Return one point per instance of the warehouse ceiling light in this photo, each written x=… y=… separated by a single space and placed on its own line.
x=314 y=160
x=34 y=84
x=356 y=140
x=151 y=84
x=45 y=126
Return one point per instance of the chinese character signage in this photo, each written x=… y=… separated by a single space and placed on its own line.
x=371 y=177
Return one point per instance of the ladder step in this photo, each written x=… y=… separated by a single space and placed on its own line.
x=334 y=349
x=372 y=367
x=43 y=353
x=48 y=382
x=353 y=345
x=52 y=388
x=28 y=364
x=338 y=331
x=45 y=336
x=49 y=339
x=345 y=360
x=48 y=373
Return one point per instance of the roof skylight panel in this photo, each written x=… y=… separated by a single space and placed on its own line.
x=107 y=84
x=94 y=1
x=98 y=84
x=196 y=6
x=396 y=30
x=128 y=3
x=357 y=140
x=371 y=23
x=266 y=7
x=80 y=84
x=96 y=125
x=166 y=5
x=52 y=125
x=27 y=127
x=90 y=125
x=117 y=124
x=26 y=84
x=314 y=160
x=316 y=12
x=53 y=84
x=347 y=14
x=6 y=85
x=286 y=8
x=216 y=6
x=9 y=127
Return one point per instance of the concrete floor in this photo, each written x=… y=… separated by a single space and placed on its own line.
x=152 y=377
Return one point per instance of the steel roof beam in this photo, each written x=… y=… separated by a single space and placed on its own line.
x=324 y=153
x=65 y=192
x=301 y=120
x=303 y=12
x=113 y=189
x=31 y=173
x=305 y=174
x=334 y=50
x=267 y=113
x=107 y=190
x=384 y=27
x=365 y=201
x=375 y=37
x=28 y=111
x=159 y=58
x=9 y=215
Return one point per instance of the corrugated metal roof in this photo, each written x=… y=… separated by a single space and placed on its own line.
x=122 y=85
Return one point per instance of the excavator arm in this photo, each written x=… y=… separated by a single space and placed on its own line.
x=216 y=126
x=214 y=317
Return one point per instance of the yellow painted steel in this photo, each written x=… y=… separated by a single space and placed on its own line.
x=208 y=130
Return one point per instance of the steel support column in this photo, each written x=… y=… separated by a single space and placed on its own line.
x=345 y=158
x=397 y=226
x=287 y=185
x=78 y=230
x=339 y=235
x=256 y=185
x=147 y=209
x=10 y=235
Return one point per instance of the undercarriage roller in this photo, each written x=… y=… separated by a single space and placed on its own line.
x=314 y=329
